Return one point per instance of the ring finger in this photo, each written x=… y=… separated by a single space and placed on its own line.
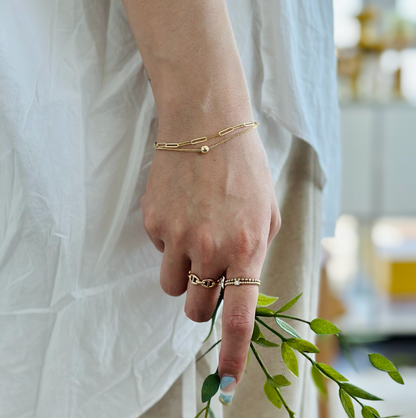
x=200 y=301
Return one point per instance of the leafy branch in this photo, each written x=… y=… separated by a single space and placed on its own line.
x=289 y=345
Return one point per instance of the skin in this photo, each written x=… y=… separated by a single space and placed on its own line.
x=213 y=213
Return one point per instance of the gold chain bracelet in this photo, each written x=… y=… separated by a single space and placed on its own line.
x=174 y=146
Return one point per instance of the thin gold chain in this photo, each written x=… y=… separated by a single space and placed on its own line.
x=174 y=146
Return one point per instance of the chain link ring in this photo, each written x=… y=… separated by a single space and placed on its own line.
x=206 y=283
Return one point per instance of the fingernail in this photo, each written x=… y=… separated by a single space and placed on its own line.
x=227 y=389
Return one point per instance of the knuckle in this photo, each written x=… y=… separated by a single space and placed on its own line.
x=248 y=244
x=196 y=315
x=207 y=250
x=204 y=242
x=178 y=229
x=160 y=247
x=150 y=222
x=171 y=290
x=239 y=323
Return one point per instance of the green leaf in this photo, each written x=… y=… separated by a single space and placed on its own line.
x=271 y=382
x=272 y=395
x=396 y=376
x=256 y=332
x=374 y=411
x=358 y=392
x=289 y=358
x=278 y=381
x=264 y=312
x=281 y=380
x=367 y=413
x=319 y=381
x=346 y=402
x=332 y=372
x=380 y=362
x=264 y=300
x=210 y=387
x=302 y=345
x=322 y=326
x=211 y=413
x=287 y=328
x=265 y=343
x=289 y=304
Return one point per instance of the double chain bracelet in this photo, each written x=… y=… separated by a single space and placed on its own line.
x=177 y=146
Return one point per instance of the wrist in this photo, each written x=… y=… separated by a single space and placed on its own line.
x=201 y=108
x=206 y=88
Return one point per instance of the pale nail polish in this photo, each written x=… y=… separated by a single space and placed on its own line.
x=227 y=389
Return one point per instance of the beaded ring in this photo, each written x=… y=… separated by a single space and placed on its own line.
x=241 y=280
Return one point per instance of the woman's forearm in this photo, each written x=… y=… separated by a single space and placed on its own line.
x=191 y=58
x=212 y=213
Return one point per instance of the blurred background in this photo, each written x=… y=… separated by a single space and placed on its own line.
x=369 y=267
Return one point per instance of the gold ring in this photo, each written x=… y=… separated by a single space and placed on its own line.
x=206 y=283
x=237 y=281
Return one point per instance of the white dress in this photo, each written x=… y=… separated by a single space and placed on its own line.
x=85 y=330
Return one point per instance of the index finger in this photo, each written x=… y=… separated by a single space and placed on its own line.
x=238 y=321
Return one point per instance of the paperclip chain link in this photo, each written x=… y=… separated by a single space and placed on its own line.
x=174 y=146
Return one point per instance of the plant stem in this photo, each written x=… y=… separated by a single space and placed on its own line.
x=200 y=412
x=291 y=317
x=269 y=376
x=207 y=408
x=260 y=361
x=352 y=396
x=271 y=329
x=214 y=315
x=206 y=352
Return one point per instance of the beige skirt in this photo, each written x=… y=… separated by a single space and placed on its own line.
x=291 y=267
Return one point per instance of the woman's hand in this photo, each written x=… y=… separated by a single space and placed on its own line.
x=214 y=214
x=209 y=213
